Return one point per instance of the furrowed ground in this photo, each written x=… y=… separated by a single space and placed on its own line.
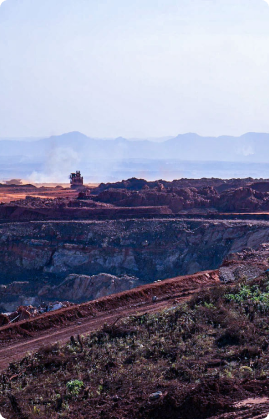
x=205 y=358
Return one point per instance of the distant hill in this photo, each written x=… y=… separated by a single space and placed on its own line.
x=59 y=154
x=251 y=147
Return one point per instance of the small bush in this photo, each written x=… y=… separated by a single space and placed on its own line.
x=74 y=387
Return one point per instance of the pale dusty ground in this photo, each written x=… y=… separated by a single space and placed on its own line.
x=8 y=194
x=251 y=402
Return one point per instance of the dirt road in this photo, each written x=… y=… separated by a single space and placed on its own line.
x=28 y=336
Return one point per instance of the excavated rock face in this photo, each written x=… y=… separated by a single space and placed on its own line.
x=83 y=288
x=146 y=249
x=63 y=260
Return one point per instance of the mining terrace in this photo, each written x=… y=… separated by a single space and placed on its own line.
x=122 y=249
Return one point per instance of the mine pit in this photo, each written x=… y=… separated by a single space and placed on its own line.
x=74 y=261
x=53 y=260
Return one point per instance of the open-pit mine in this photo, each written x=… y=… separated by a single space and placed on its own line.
x=79 y=244
x=76 y=259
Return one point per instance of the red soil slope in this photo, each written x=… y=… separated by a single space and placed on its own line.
x=29 y=335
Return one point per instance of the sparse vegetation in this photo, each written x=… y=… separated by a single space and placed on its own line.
x=255 y=296
x=74 y=387
x=200 y=355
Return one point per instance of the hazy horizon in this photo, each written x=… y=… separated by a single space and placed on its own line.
x=189 y=76
x=189 y=155
x=147 y=68
x=152 y=139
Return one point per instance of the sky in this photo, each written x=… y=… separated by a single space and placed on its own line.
x=140 y=68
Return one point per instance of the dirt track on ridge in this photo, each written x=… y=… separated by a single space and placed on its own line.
x=28 y=336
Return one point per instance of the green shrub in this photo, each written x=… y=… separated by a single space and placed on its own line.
x=74 y=387
x=251 y=295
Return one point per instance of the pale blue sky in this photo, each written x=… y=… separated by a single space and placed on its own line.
x=135 y=68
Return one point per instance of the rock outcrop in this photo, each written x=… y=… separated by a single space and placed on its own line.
x=146 y=249
x=81 y=288
x=63 y=260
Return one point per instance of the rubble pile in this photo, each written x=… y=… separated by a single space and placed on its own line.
x=236 y=195
x=28 y=312
x=245 y=265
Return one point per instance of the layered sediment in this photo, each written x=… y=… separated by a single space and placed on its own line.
x=147 y=249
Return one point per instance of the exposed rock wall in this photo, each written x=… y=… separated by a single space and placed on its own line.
x=83 y=288
x=146 y=249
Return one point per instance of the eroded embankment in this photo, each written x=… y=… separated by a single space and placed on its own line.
x=124 y=303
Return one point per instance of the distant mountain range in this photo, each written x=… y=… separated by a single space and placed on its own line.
x=54 y=157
